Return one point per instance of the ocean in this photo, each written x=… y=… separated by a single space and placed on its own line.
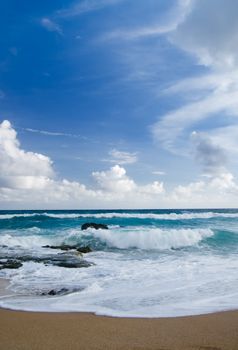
x=148 y=263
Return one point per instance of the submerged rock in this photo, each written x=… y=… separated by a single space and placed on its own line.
x=94 y=225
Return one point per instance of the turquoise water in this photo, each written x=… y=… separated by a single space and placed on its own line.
x=149 y=263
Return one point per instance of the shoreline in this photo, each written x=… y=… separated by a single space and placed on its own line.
x=30 y=330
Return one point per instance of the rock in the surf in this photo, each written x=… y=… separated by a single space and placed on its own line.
x=67 y=260
x=10 y=264
x=94 y=225
x=65 y=247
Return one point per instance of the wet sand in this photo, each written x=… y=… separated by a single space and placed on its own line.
x=79 y=331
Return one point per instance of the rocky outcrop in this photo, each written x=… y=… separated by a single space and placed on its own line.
x=62 y=260
x=94 y=225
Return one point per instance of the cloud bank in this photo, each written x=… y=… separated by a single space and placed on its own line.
x=27 y=180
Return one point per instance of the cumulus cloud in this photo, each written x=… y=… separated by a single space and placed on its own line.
x=27 y=179
x=219 y=191
x=114 y=180
x=51 y=26
x=20 y=169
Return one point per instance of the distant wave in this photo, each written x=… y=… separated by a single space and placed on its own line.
x=155 y=216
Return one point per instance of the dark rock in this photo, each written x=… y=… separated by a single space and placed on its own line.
x=60 y=291
x=85 y=249
x=10 y=264
x=60 y=247
x=94 y=225
x=66 y=247
x=56 y=292
x=73 y=264
x=63 y=260
x=52 y=292
x=66 y=260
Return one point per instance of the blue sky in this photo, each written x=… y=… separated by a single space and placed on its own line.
x=129 y=101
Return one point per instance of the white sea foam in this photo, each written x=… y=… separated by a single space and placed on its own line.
x=26 y=242
x=151 y=238
x=170 y=285
x=111 y=215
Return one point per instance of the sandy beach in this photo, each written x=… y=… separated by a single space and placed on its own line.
x=50 y=331
x=21 y=330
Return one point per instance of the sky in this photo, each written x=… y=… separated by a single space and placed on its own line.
x=118 y=104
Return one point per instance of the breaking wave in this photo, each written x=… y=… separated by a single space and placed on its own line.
x=139 y=237
x=153 y=238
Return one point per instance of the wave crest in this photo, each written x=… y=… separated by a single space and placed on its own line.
x=151 y=238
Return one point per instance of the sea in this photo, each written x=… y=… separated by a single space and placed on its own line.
x=148 y=263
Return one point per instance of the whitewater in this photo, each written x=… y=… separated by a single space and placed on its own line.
x=148 y=263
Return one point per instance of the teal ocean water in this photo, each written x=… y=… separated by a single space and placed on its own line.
x=149 y=263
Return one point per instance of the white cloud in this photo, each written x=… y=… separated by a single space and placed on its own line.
x=114 y=180
x=167 y=24
x=209 y=31
x=158 y=172
x=152 y=189
x=20 y=169
x=188 y=192
x=120 y=157
x=220 y=191
x=226 y=136
x=80 y=7
x=53 y=133
x=27 y=180
x=177 y=124
x=51 y=26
